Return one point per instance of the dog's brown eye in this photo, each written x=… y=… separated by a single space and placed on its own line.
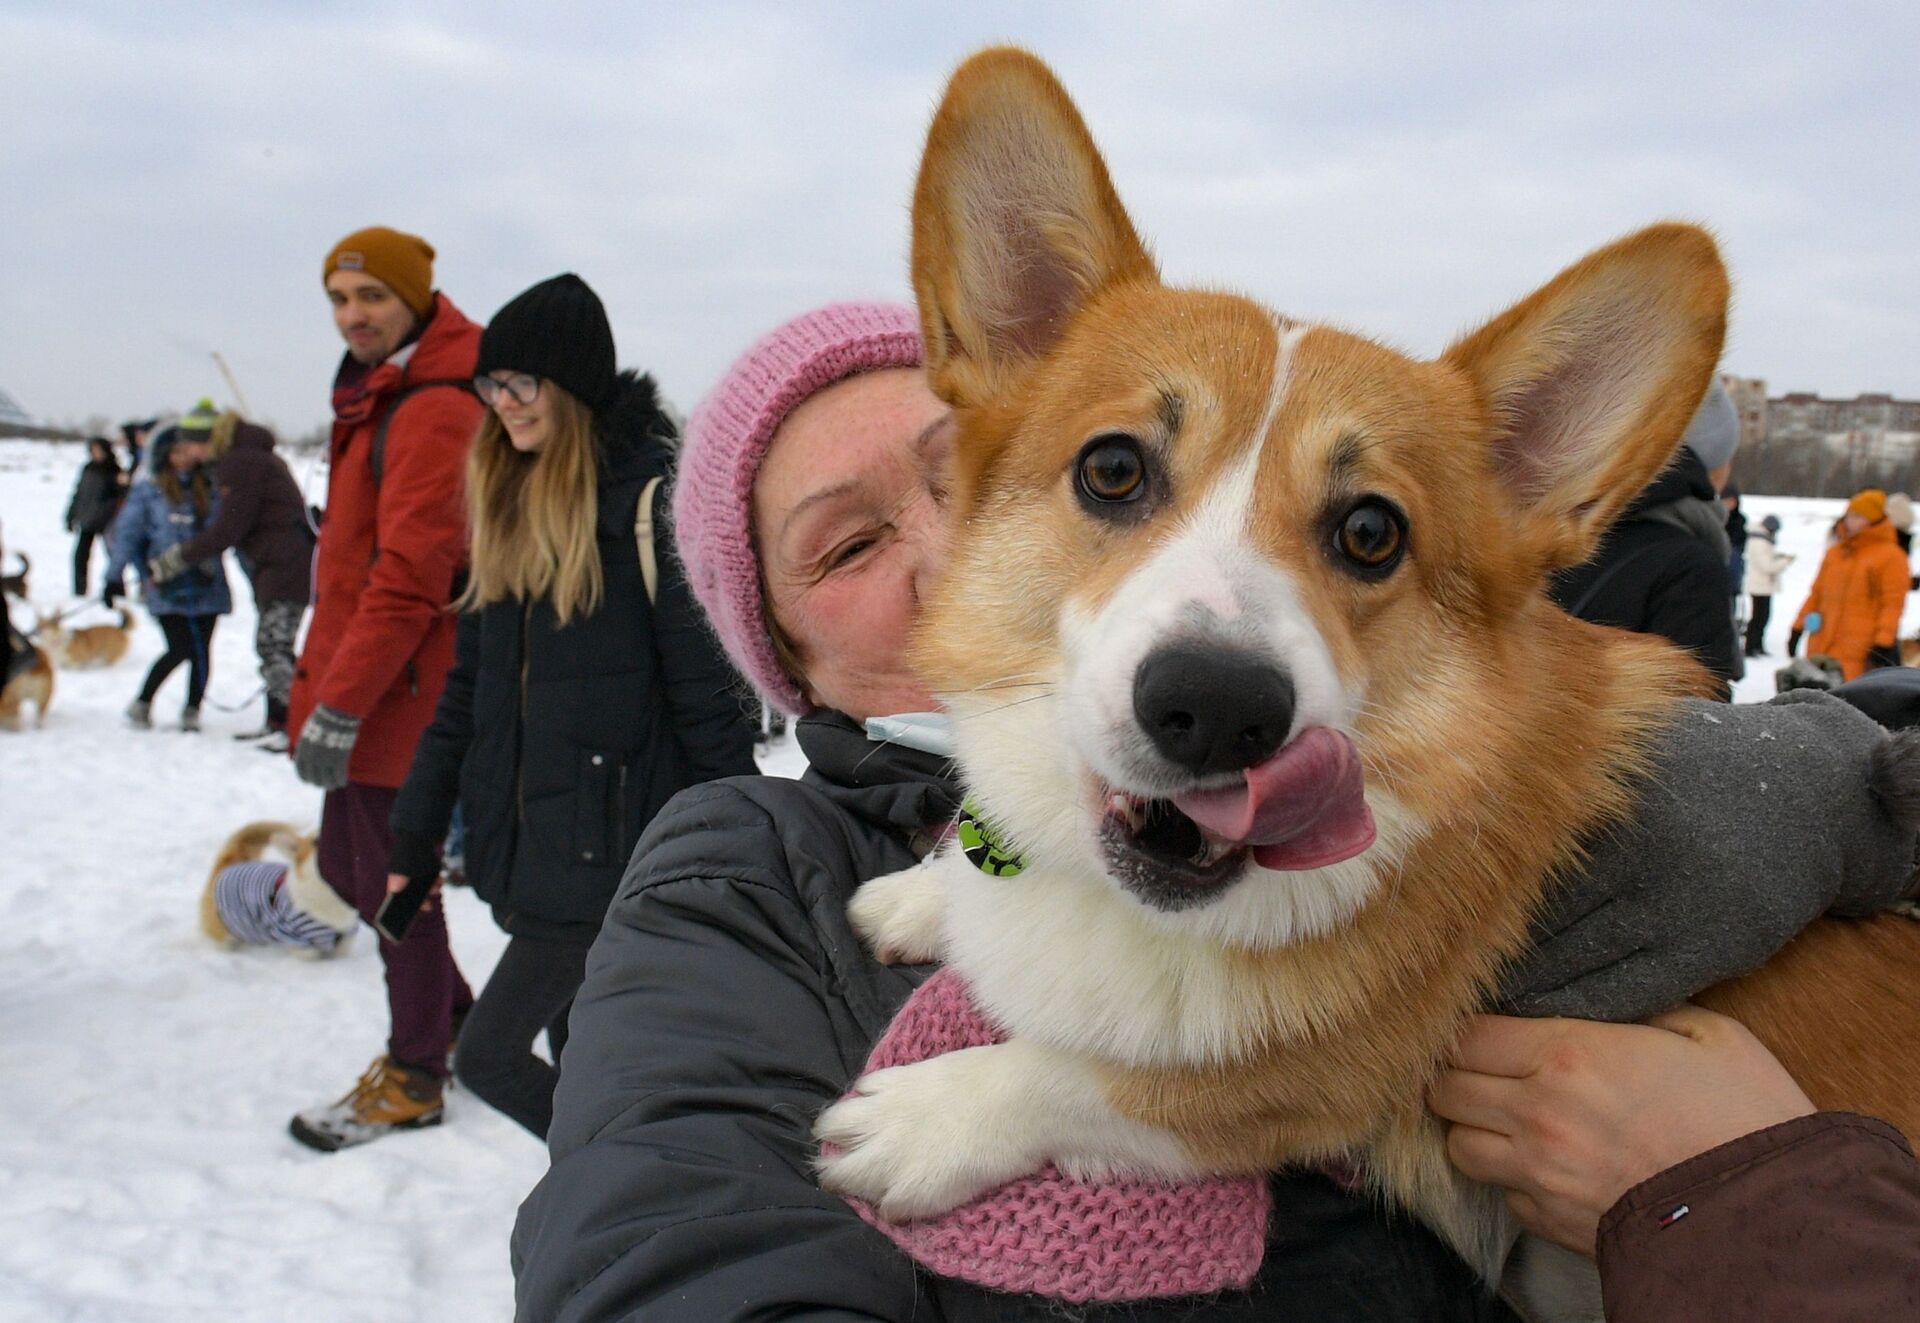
x=1112 y=469
x=1372 y=535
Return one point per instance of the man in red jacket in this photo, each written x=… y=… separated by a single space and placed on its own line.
x=381 y=641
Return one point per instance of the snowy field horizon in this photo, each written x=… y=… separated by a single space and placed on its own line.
x=144 y=1107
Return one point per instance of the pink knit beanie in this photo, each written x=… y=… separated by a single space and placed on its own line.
x=726 y=439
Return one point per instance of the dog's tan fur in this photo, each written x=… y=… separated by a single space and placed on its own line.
x=1509 y=734
x=15 y=584
x=34 y=684
x=246 y=845
x=87 y=647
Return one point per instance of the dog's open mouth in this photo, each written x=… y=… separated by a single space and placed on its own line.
x=1303 y=808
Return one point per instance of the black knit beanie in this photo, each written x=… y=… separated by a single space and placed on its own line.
x=558 y=330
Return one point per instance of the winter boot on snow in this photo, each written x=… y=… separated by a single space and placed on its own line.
x=389 y=1097
x=140 y=714
x=190 y=720
x=274 y=724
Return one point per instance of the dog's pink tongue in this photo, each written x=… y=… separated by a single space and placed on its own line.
x=1305 y=807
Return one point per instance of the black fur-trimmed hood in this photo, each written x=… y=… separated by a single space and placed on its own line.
x=634 y=427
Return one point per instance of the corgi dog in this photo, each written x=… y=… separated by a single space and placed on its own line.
x=1271 y=858
x=265 y=889
x=29 y=680
x=15 y=584
x=90 y=645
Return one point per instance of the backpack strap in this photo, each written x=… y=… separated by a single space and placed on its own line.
x=643 y=539
x=377 y=453
x=377 y=456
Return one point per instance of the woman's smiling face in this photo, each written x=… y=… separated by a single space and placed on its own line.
x=849 y=520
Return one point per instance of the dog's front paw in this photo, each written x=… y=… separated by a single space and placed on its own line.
x=899 y=915
x=914 y=1141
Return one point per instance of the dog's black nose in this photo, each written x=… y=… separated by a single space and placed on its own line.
x=1212 y=710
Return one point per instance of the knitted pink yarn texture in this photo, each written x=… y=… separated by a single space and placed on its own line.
x=1049 y=1235
x=726 y=439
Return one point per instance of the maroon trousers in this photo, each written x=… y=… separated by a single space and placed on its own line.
x=424 y=987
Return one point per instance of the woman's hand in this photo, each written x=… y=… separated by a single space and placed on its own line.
x=397 y=882
x=1568 y=1115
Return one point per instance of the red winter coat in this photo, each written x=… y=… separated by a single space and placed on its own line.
x=381 y=641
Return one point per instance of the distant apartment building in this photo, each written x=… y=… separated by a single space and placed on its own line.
x=1803 y=413
x=1749 y=396
x=1803 y=444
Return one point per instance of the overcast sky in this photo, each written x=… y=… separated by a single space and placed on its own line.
x=171 y=174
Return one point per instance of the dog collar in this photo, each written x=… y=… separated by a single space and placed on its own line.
x=986 y=849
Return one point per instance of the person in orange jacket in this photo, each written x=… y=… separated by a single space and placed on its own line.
x=1853 y=610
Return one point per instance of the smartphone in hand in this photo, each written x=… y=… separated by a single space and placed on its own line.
x=398 y=911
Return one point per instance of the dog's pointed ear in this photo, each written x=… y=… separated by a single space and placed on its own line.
x=1591 y=381
x=1015 y=224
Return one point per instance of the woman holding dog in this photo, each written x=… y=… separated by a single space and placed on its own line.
x=730 y=999
x=158 y=516
x=586 y=691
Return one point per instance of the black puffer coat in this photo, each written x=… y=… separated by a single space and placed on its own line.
x=96 y=497
x=562 y=742
x=728 y=1001
x=1662 y=569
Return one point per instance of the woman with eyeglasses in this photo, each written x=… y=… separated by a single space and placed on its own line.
x=586 y=691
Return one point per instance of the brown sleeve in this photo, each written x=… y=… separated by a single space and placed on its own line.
x=1812 y=1221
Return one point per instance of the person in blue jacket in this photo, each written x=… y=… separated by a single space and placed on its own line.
x=173 y=507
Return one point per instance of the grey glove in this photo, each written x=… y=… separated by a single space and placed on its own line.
x=169 y=564
x=325 y=748
x=1757 y=820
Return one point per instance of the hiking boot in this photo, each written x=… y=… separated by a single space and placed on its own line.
x=140 y=714
x=388 y=1097
x=190 y=720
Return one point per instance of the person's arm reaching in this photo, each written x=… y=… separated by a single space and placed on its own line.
x=233 y=517
x=424 y=807
x=1685 y=1156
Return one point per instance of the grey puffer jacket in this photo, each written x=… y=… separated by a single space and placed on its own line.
x=728 y=1001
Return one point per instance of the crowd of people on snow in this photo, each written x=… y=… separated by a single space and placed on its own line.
x=533 y=604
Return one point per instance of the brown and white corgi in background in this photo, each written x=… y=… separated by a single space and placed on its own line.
x=87 y=647
x=30 y=681
x=251 y=906
x=1273 y=856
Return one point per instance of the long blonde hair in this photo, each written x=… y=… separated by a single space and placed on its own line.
x=532 y=516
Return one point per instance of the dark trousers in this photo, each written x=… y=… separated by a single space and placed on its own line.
x=424 y=987
x=1757 y=625
x=189 y=640
x=531 y=989
x=82 y=561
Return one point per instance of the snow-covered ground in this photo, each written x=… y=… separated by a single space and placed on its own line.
x=145 y=1170
x=146 y=1077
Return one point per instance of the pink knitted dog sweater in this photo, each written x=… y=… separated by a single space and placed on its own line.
x=1048 y=1235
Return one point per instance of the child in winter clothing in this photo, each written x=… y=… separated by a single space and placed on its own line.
x=160 y=514
x=1765 y=564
